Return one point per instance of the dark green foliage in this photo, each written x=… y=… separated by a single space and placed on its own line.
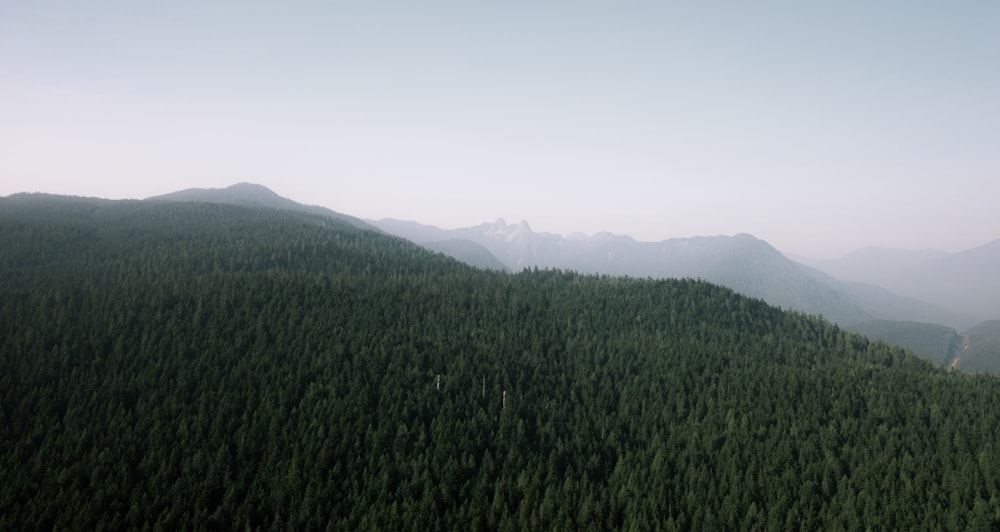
x=171 y=365
x=936 y=343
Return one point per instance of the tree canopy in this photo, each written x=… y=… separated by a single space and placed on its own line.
x=169 y=365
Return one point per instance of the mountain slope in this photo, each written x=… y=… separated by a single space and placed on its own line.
x=177 y=365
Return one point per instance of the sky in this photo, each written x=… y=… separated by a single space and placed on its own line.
x=821 y=127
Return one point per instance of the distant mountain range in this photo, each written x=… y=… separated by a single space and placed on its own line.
x=742 y=262
x=968 y=281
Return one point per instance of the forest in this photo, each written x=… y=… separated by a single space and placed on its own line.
x=194 y=365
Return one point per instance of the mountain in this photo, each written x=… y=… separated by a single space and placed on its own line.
x=875 y=265
x=175 y=365
x=966 y=280
x=251 y=195
x=961 y=282
x=741 y=262
x=888 y=305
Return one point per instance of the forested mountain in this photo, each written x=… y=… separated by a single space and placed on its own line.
x=253 y=195
x=963 y=282
x=746 y=264
x=742 y=262
x=177 y=365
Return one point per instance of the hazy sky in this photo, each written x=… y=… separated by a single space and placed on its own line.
x=821 y=127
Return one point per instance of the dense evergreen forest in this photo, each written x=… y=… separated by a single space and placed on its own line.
x=177 y=365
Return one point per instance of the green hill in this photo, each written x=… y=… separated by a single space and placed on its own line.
x=936 y=343
x=179 y=365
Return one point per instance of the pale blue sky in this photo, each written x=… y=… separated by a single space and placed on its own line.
x=821 y=127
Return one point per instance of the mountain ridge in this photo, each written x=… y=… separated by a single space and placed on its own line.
x=252 y=195
x=742 y=262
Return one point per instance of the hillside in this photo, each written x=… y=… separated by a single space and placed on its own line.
x=179 y=365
